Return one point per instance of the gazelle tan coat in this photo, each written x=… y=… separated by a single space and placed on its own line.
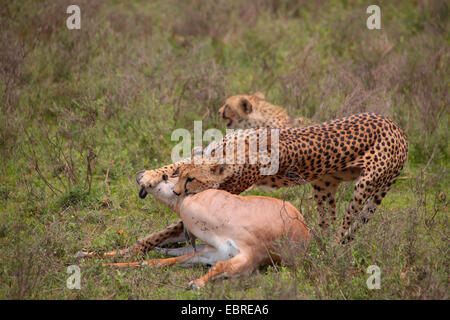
x=239 y=232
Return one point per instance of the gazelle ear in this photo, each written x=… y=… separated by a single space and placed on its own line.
x=246 y=106
x=259 y=95
x=217 y=168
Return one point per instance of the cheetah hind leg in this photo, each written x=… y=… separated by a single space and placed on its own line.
x=368 y=211
x=367 y=196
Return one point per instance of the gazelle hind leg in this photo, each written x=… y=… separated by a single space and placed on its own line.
x=192 y=257
x=236 y=266
x=175 y=252
x=86 y=254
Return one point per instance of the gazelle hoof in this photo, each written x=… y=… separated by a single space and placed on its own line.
x=194 y=285
x=83 y=254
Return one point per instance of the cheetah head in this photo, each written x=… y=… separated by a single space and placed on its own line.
x=238 y=110
x=195 y=178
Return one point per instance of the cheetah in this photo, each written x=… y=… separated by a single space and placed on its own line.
x=332 y=145
x=367 y=147
x=253 y=111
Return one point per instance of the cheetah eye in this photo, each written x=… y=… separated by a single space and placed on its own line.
x=189 y=179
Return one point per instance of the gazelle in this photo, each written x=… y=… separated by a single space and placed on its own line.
x=239 y=232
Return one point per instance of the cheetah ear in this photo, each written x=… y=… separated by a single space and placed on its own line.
x=246 y=106
x=217 y=168
x=259 y=95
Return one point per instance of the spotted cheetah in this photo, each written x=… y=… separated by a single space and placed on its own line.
x=253 y=111
x=367 y=147
x=347 y=136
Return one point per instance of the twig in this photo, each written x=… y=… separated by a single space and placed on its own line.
x=429 y=160
x=36 y=167
x=339 y=287
x=106 y=182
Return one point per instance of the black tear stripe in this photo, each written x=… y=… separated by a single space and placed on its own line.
x=142 y=193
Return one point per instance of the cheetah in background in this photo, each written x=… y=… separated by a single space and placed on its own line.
x=253 y=111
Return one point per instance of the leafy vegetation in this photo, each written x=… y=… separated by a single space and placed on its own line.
x=83 y=110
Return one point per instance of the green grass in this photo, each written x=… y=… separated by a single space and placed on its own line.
x=83 y=111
